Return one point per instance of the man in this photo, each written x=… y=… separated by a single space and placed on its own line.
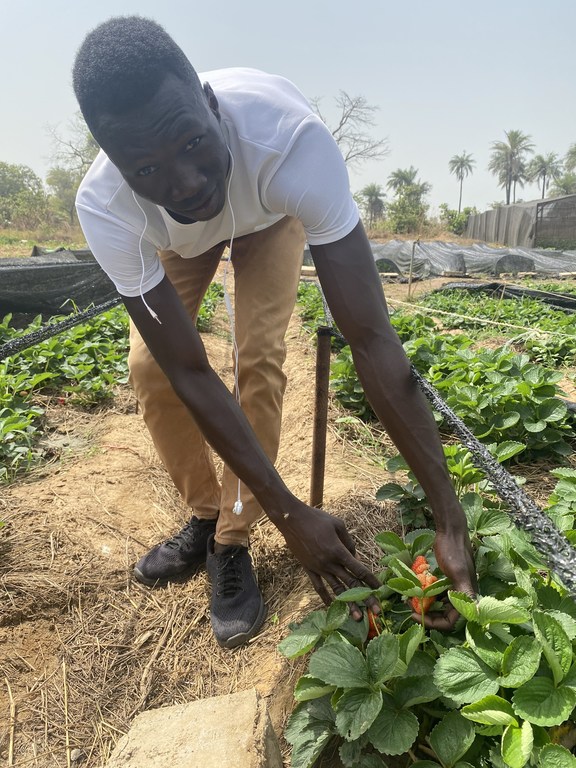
x=186 y=169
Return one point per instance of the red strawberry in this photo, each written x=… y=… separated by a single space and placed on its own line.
x=421 y=568
x=373 y=628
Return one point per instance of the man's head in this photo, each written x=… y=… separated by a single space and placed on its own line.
x=122 y=64
x=143 y=102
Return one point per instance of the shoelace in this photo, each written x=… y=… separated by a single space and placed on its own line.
x=229 y=573
x=185 y=537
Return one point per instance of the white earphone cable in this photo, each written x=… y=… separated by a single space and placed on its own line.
x=238 y=506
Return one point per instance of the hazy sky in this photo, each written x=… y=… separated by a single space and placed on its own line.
x=446 y=76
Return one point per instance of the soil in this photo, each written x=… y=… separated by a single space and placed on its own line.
x=83 y=648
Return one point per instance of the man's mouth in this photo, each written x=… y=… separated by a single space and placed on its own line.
x=193 y=211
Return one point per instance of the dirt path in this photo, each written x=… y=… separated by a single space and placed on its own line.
x=82 y=647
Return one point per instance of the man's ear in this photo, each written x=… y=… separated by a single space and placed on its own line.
x=212 y=100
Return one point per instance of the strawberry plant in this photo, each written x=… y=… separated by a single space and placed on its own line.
x=498 y=691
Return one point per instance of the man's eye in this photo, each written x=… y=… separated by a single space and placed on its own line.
x=193 y=143
x=146 y=171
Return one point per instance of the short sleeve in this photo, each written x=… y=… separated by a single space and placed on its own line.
x=123 y=235
x=310 y=182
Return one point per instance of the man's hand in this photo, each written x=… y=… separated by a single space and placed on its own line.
x=454 y=555
x=326 y=551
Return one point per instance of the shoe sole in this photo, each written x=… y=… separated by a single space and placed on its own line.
x=243 y=637
x=177 y=579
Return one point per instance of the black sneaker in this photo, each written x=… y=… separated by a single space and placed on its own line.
x=237 y=609
x=178 y=557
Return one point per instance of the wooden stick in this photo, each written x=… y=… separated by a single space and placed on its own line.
x=12 y=723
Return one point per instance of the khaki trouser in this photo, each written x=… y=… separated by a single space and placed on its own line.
x=266 y=274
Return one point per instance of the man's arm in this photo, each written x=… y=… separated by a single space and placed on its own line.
x=354 y=294
x=320 y=541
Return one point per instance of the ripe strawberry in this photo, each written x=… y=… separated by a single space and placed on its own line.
x=373 y=626
x=421 y=568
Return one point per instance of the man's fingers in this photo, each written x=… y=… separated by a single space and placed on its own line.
x=320 y=587
x=346 y=539
x=443 y=622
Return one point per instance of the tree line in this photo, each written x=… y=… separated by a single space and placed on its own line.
x=512 y=161
x=26 y=203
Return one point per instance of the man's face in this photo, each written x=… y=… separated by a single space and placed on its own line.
x=171 y=151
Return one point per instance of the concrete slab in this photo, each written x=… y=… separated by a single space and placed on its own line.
x=233 y=730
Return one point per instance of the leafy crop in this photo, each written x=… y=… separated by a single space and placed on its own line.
x=549 y=332
x=80 y=366
x=212 y=299
x=499 y=394
x=498 y=691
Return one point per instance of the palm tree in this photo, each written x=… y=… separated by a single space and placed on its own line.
x=570 y=159
x=401 y=178
x=461 y=166
x=373 y=202
x=543 y=168
x=564 y=185
x=508 y=161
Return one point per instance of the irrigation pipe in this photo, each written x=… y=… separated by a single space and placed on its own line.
x=547 y=539
x=21 y=343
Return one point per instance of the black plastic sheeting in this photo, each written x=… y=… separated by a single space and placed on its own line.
x=563 y=301
x=57 y=282
x=52 y=283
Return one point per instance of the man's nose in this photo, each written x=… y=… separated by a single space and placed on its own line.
x=186 y=183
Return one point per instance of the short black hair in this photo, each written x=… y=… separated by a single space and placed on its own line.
x=121 y=65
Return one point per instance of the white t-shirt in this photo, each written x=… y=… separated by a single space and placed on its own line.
x=286 y=162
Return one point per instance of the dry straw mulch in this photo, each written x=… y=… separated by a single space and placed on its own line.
x=116 y=648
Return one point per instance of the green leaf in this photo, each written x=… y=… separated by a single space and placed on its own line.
x=508 y=449
x=556 y=756
x=396 y=463
x=520 y=662
x=381 y=657
x=491 y=710
x=404 y=586
x=354 y=595
x=424 y=764
x=535 y=426
x=462 y=676
x=340 y=664
x=464 y=604
x=410 y=691
x=404 y=572
x=510 y=610
x=299 y=641
x=390 y=492
x=552 y=410
x=492 y=521
x=541 y=703
x=309 y=687
x=486 y=645
x=394 y=730
x=309 y=729
x=452 y=738
x=336 y=616
x=421 y=543
x=517 y=744
x=409 y=642
x=356 y=711
x=390 y=542
x=555 y=643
